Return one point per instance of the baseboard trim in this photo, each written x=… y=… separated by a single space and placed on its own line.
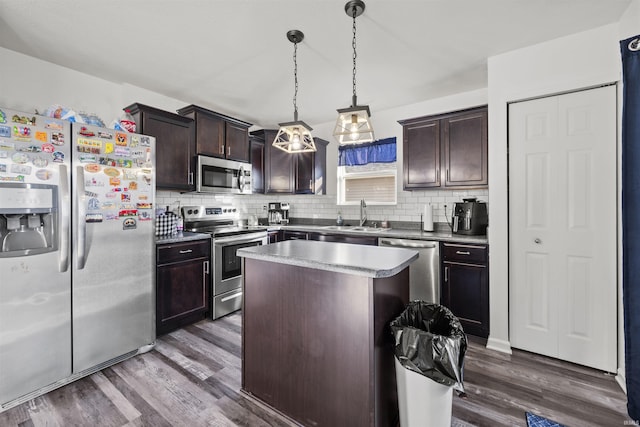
x=499 y=345
x=621 y=380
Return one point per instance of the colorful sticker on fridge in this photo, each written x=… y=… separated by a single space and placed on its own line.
x=145 y=141
x=48 y=148
x=43 y=174
x=146 y=179
x=58 y=157
x=22 y=169
x=128 y=212
x=84 y=131
x=111 y=172
x=20 y=158
x=143 y=205
x=122 y=152
x=40 y=162
x=57 y=138
x=21 y=133
x=144 y=215
x=50 y=124
x=121 y=139
x=92 y=168
x=129 y=224
x=124 y=163
x=5 y=131
x=108 y=205
x=93 y=204
x=3 y=117
x=89 y=146
x=93 y=183
x=24 y=120
x=94 y=217
x=129 y=175
x=108 y=147
x=30 y=149
x=19 y=178
x=114 y=182
x=105 y=135
x=133 y=185
x=110 y=216
x=90 y=193
x=42 y=136
x=125 y=197
x=87 y=158
x=142 y=197
x=8 y=146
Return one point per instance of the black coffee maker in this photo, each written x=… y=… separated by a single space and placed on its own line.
x=470 y=217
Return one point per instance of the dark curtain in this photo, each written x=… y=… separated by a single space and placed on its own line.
x=630 y=224
x=380 y=151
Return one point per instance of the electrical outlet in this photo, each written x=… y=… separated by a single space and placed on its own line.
x=264 y=207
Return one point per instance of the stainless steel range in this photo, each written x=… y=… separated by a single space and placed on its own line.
x=227 y=238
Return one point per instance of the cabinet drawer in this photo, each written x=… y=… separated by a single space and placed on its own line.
x=175 y=252
x=476 y=254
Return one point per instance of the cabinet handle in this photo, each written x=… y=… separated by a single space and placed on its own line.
x=221 y=150
x=463 y=252
x=188 y=251
x=446 y=274
x=190 y=178
x=205 y=265
x=228 y=150
x=447 y=175
x=311 y=184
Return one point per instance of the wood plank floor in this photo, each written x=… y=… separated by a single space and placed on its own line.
x=192 y=378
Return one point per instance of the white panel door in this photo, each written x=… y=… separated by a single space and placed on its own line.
x=562 y=226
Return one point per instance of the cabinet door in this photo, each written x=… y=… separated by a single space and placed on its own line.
x=257 y=165
x=237 y=142
x=294 y=235
x=174 y=151
x=304 y=164
x=421 y=154
x=182 y=294
x=465 y=149
x=210 y=135
x=279 y=173
x=465 y=292
x=343 y=238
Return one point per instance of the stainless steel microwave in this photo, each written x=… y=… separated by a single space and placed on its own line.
x=215 y=175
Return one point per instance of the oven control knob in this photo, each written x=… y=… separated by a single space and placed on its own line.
x=234 y=209
x=195 y=211
x=190 y=211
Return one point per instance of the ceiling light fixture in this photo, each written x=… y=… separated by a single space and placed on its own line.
x=354 y=125
x=295 y=136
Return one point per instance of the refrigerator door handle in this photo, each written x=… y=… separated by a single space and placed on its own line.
x=81 y=209
x=65 y=218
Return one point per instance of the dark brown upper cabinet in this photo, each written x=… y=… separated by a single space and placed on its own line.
x=276 y=171
x=218 y=135
x=175 y=145
x=446 y=150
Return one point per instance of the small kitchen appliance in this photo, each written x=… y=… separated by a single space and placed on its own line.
x=470 y=217
x=278 y=213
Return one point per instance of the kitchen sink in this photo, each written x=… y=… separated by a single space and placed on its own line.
x=355 y=228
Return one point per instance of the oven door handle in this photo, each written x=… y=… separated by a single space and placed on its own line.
x=236 y=239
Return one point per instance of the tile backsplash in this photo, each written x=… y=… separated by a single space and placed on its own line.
x=408 y=209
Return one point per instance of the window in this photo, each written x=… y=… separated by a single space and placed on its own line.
x=369 y=172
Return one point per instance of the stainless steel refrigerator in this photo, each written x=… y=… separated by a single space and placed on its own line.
x=77 y=230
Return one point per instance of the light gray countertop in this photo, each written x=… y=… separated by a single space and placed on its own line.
x=359 y=260
x=183 y=236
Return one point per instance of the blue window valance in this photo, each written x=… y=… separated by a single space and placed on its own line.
x=380 y=151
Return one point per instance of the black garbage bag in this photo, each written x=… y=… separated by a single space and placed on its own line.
x=430 y=341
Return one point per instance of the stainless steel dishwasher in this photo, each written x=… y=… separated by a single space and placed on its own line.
x=424 y=273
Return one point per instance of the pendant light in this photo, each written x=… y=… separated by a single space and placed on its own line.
x=354 y=125
x=295 y=136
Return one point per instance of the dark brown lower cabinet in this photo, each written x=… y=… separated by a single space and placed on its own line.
x=344 y=238
x=183 y=286
x=316 y=344
x=465 y=285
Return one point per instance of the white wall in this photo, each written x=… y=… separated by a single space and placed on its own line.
x=579 y=61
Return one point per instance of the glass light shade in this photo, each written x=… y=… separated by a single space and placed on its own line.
x=295 y=137
x=354 y=126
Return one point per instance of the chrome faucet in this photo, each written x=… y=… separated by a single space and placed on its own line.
x=363 y=212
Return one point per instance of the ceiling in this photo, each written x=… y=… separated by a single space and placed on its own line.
x=233 y=56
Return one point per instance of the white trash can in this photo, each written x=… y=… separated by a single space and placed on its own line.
x=422 y=402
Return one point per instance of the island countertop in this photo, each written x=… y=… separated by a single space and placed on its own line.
x=359 y=260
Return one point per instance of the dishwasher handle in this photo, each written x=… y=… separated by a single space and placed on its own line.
x=408 y=243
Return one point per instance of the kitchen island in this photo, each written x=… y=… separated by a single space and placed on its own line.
x=316 y=344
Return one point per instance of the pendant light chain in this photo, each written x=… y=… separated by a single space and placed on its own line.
x=353 y=44
x=295 y=78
